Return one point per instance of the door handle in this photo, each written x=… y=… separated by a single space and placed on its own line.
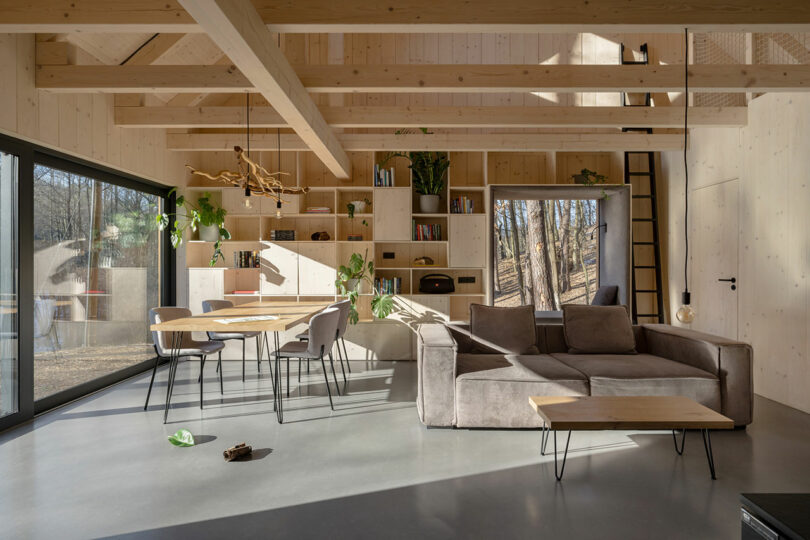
x=731 y=280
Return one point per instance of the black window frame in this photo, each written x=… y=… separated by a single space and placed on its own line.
x=28 y=155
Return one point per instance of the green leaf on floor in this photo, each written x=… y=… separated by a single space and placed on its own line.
x=183 y=437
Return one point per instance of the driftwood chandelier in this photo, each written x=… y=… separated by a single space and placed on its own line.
x=251 y=176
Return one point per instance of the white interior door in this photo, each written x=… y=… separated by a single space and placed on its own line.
x=714 y=239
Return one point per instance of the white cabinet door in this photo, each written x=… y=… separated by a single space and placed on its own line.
x=316 y=268
x=204 y=284
x=392 y=214
x=468 y=241
x=279 y=268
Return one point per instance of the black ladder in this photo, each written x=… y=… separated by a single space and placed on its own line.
x=645 y=216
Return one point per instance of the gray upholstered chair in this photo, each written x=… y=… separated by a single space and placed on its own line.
x=214 y=305
x=189 y=348
x=323 y=329
x=344 y=306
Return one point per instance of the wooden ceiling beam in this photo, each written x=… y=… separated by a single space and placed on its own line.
x=437 y=117
x=504 y=142
x=433 y=78
x=238 y=30
x=413 y=16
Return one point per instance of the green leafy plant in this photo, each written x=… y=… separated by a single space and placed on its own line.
x=350 y=209
x=429 y=170
x=348 y=283
x=204 y=213
x=587 y=177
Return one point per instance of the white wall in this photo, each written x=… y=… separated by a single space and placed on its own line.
x=771 y=158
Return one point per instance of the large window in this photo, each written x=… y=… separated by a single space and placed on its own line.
x=96 y=274
x=546 y=252
x=9 y=355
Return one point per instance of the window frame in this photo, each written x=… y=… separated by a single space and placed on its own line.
x=28 y=155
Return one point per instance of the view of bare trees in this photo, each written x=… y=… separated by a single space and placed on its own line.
x=545 y=252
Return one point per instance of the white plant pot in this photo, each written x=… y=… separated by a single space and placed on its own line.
x=429 y=204
x=351 y=284
x=359 y=207
x=209 y=233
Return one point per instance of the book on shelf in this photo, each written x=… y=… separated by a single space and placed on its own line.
x=429 y=232
x=246 y=259
x=282 y=235
x=244 y=291
x=384 y=177
x=318 y=210
x=354 y=237
x=388 y=285
x=461 y=205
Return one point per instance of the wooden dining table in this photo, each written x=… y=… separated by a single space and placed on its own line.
x=286 y=315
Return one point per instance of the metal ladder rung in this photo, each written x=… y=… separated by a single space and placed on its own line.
x=642 y=196
x=644 y=220
x=639 y=174
x=647 y=315
x=645 y=266
x=645 y=243
x=647 y=291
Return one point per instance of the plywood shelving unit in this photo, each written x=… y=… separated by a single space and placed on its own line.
x=306 y=269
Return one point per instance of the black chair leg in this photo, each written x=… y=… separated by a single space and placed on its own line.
x=340 y=358
x=202 y=366
x=299 y=370
x=326 y=379
x=219 y=365
x=307 y=366
x=243 y=360
x=258 y=356
x=170 y=386
x=288 y=377
x=346 y=354
x=151 y=382
x=334 y=374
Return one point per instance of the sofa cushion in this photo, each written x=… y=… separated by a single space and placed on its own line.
x=499 y=396
x=644 y=375
x=473 y=362
x=606 y=295
x=598 y=330
x=509 y=330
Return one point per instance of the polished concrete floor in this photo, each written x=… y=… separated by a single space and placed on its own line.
x=102 y=467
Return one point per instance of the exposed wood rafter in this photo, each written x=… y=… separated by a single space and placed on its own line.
x=506 y=142
x=433 y=78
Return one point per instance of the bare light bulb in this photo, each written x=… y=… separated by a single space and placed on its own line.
x=247 y=203
x=686 y=314
x=278 y=209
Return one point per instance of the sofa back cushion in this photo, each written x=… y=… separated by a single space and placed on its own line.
x=508 y=329
x=598 y=330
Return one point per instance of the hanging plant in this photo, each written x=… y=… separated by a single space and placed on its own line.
x=348 y=283
x=204 y=214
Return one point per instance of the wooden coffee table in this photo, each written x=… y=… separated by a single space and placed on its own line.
x=590 y=413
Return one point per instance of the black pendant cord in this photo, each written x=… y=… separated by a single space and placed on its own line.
x=247 y=122
x=685 y=163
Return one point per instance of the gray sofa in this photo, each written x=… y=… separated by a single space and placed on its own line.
x=463 y=388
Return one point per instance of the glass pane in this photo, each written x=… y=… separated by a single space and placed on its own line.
x=546 y=253
x=9 y=365
x=96 y=274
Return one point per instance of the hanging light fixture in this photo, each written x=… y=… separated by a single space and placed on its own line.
x=686 y=313
x=278 y=201
x=246 y=201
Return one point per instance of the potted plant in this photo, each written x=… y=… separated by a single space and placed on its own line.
x=587 y=177
x=348 y=283
x=205 y=215
x=429 y=172
x=358 y=206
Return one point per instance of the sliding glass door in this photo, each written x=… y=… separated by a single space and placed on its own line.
x=97 y=253
x=9 y=265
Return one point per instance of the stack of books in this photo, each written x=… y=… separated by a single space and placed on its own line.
x=383 y=177
x=283 y=235
x=354 y=237
x=461 y=205
x=388 y=286
x=245 y=259
x=431 y=232
x=318 y=210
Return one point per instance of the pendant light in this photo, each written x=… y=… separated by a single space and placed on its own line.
x=686 y=313
x=246 y=202
x=278 y=201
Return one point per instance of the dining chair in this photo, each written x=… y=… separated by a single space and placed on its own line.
x=344 y=306
x=188 y=348
x=214 y=305
x=322 y=334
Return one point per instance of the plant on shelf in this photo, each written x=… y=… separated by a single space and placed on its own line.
x=587 y=177
x=358 y=206
x=207 y=216
x=348 y=283
x=429 y=173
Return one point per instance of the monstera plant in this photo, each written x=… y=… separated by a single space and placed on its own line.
x=348 y=283
x=204 y=215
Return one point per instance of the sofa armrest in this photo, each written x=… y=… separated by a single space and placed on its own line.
x=436 y=367
x=731 y=361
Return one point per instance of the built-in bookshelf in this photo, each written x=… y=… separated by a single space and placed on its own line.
x=294 y=251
